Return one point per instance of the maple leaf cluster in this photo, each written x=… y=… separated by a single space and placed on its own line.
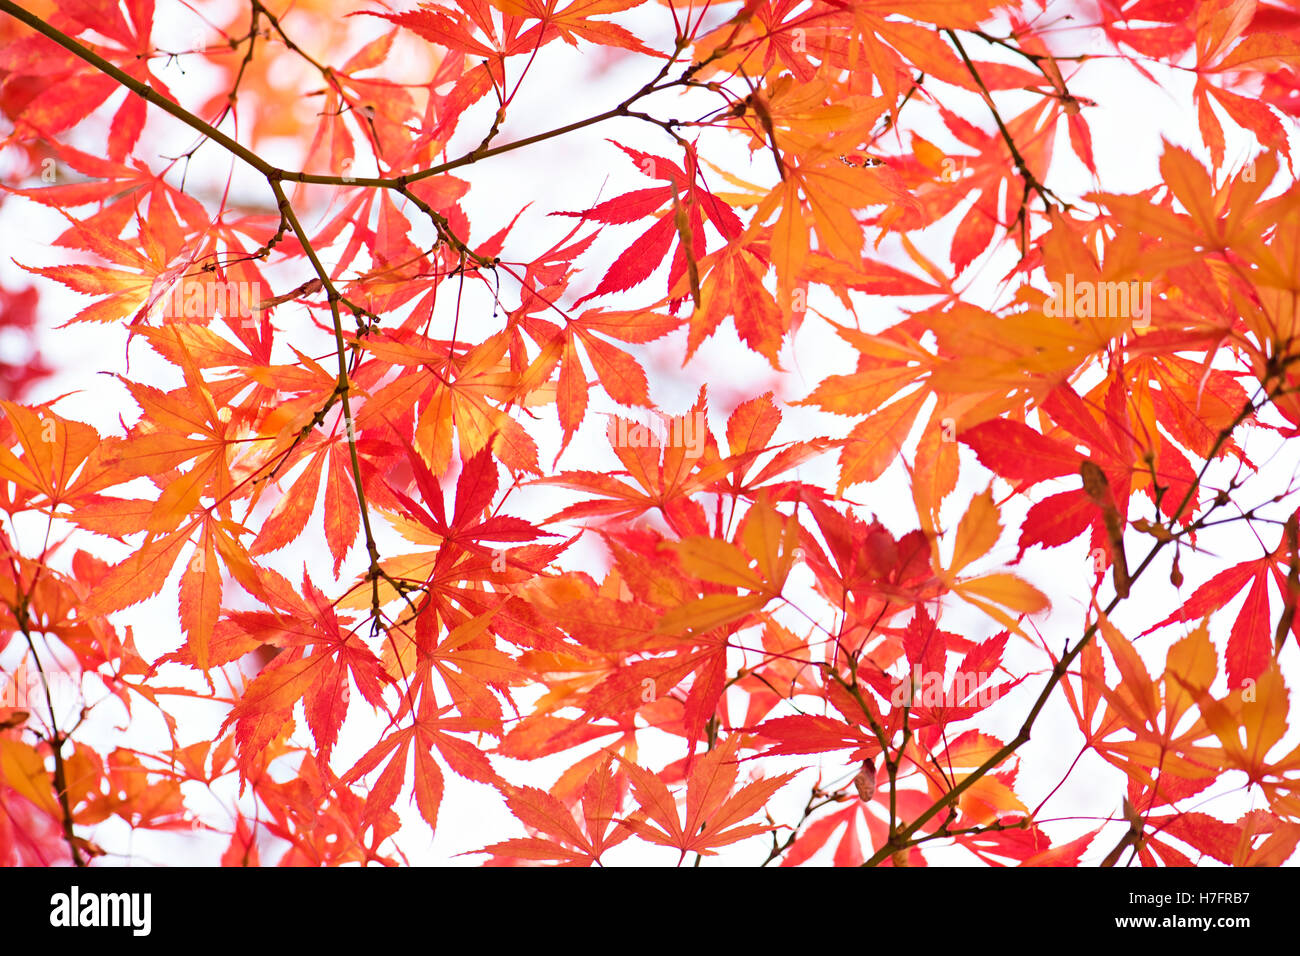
x=340 y=487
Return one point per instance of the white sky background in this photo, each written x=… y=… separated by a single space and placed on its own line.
x=573 y=172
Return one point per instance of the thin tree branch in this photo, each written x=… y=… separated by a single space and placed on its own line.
x=899 y=840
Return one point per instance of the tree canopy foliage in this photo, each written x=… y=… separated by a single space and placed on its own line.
x=698 y=642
